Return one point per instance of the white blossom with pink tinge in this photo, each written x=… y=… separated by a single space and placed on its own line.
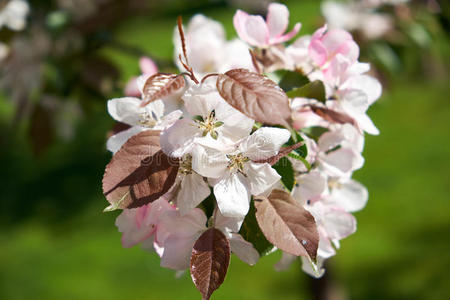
x=262 y=33
x=179 y=232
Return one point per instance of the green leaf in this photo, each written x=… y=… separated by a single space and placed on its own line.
x=301 y=151
x=251 y=232
x=314 y=132
x=292 y=79
x=286 y=171
x=312 y=90
x=303 y=160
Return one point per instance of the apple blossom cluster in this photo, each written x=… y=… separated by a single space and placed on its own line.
x=250 y=149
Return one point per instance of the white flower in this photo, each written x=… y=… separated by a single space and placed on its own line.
x=128 y=110
x=208 y=51
x=237 y=174
x=210 y=117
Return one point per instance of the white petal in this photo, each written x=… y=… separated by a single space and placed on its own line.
x=315 y=270
x=116 y=141
x=232 y=195
x=256 y=31
x=264 y=142
x=227 y=224
x=243 y=249
x=261 y=178
x=186 y=225
x=277 y=19
x=285 y=262
x=236 y=125
x=193 y=190
x=169 y=119
x=309 y=186
x=177 y=251
x=366 y=124
x=367 y=84
x=342 y=161
x=351 y=195
x=201 y=99
x=354 y=102
x=126 y=110
x=329 y=140
x=177 y=140
x=338 y=223
x=207 y=161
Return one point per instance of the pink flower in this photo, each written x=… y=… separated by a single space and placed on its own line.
x=149 y=68
x=326 y=44
x=140 y=224
x=259 y=33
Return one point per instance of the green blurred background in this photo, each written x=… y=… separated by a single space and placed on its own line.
x=55 y=242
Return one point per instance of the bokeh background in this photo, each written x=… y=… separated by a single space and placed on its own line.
x=74 y=55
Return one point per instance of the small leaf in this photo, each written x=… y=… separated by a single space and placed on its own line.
x=255 y=96
x=286 y=224
x=161 y=85
x=251 y=232
x=333 y=116
x=302 y=150
x=314 y=132
x=312 y=90
x=139 y=173
x=292 y=79
x=209 y=261
x=286 y=171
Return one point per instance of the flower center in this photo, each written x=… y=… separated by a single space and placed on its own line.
x=186 y=165
x=236 y=162
x=208 y=124
x=148 y=120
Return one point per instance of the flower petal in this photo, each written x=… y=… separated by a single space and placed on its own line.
x=126 y=110
x=116 y=141
x=277 y=19
x=261 y=178
x=264 y=143
x=243 y=249
x=193 y=190
x=232 y=195
x=177 y=140
x=351 y=195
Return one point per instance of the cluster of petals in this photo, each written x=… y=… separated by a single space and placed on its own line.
x=224 y=154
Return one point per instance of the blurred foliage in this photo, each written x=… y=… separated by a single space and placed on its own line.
x=56 y=242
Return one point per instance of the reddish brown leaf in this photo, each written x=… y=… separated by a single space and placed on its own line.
x=282 y=153
x=161 y=85
x=209 y=261
x=286 y=224
x=256 y=96
x=332 y=115
x=139 y=172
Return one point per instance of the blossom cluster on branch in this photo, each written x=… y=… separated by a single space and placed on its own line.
x=250 y=149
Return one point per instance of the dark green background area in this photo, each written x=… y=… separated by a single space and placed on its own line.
x=55 y=242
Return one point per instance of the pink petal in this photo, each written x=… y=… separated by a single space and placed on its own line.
x=318 y=52
x=131 y=89
x=287 y=36
x=257 y=32
x=239 y=20
x=277 y=19
x=148 y=66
